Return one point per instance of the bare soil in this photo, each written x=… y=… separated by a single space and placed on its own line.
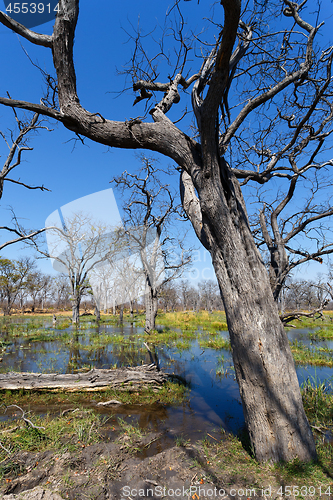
x=124 y=469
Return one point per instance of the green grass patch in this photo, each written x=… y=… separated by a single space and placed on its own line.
x=191 y=321
x=322 y=322
x=171 y=337
x=325 y=333
x=169 y=393
x=317 y=357
x=71 y=431
x=217 y=343
x=41 y=335
x=318 y=402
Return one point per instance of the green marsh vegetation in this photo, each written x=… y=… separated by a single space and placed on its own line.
x=316 y=356
x=322 y=326
x=170 y=393
x=177 y=330
x=318 y=404
x=192 y=321
x=70 y=431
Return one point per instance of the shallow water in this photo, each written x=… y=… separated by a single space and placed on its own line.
x=214 y=401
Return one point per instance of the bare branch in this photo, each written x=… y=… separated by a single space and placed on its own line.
x=36 y=108
x=31 y=36
x=287 y=318
x=21 y=236
x=24 y=418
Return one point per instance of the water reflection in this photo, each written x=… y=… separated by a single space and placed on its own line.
x=214 y=398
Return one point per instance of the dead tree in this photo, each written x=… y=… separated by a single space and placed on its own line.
x=150 y=209
x=17 y=144
x=247 y=72
x=84 y=244
x=303 y=233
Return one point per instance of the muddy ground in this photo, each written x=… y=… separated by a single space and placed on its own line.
x=124 y=469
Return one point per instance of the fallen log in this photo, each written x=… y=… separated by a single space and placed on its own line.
x=129 y=378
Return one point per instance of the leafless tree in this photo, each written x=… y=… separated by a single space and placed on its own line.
x=301 y=234
x=168 y=296
x=45 y=290
x=123 y=278
x=185 y=289
x=78 y=247
x=61 y=291
x=150 y=209
x=209 y=295
x=248 y=74
x=16 y=143
x=38 y=288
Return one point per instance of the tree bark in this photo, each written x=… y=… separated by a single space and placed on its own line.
x=121 y=313
x=130 y=378
x=265 y=371
x=97 y=313
x=151 y=303
x=76 y=310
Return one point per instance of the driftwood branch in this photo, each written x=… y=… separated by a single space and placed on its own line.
x=299 y=314
x=95 y=380
x=7 y=451
x=24 y=418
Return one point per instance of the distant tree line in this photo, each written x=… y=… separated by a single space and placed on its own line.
x=24 y=288
x=302 y=294
x=182 y=295
x=297 y=295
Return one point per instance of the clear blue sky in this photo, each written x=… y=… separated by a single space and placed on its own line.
x=101 y=50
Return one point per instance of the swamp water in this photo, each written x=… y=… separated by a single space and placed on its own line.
x=213 y=401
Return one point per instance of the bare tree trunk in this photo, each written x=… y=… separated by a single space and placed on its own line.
x=121 y=313
x=151 y=303
x=7 y=308
x=123 y=379
x=76 y=310
x=97 y=313
x=265 y=371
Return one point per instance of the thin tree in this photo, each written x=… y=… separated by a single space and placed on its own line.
x=61 y=291
x=84 y=245
x=303 y=233
x=149 y=211
x=259 y=72
x=17 y=143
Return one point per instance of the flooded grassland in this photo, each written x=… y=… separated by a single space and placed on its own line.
x=192 y=428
